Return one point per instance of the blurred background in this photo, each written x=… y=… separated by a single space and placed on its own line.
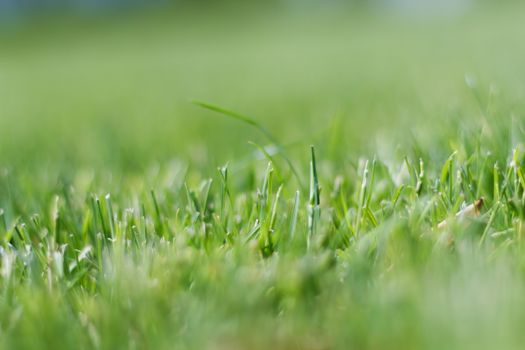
x=109 y=83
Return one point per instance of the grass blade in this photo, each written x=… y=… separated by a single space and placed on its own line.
x=255 y=124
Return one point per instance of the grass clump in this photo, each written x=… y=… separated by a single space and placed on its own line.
x=201 y=262
x=138 y=221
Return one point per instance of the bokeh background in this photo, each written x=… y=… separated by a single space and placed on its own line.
x=109 y=84
x=117 y=230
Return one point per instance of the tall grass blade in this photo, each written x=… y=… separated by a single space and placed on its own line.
x=255 y=124
x=314 y=210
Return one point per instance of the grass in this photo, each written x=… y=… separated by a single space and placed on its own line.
x=131 y=218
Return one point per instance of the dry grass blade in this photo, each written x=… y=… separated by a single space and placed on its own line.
x=469 y=211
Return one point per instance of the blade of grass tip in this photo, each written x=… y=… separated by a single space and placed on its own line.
x=225 y=190
x=295 y=212
x=447 y=174
x=496 y=182
x=466 y=181
x=143 y=219
x=205 y=194
x=371 y=217
x=95 y=216
x=8 y=235
x=19 y=229
x=155 y=204
x=344 y=204
x=232 y=114
x=253 y=232
x=371 y=184
x=507 y=183
x=256 y=125
x=271 y=239
x=361 y=198
x=420 y=177
x=160 y=224
x=85 y=232
x=195 y=207
x=480 y=177
x=274 y=209
x=11 y=229
x=265 y=192
x=514 y=165
x=445 y=170
x=397 y=195
x=521 y=179
x=54 y=213
x=101 y=216
x=110 y=214
x=411 y=170
x=35 y=219
x=315 y=178
x=314 y=201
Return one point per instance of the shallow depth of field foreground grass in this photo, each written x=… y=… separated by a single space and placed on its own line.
x=318 y=194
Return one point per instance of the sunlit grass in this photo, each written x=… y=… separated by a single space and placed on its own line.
x=358 y=193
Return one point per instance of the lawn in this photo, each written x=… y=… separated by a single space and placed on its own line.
x=254 y=178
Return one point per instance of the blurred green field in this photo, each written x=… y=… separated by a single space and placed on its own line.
x=117 y=91
x=118 y=231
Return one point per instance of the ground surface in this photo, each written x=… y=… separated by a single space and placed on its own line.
x=133 y=218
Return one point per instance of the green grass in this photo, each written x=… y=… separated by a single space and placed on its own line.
x=299 y=209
